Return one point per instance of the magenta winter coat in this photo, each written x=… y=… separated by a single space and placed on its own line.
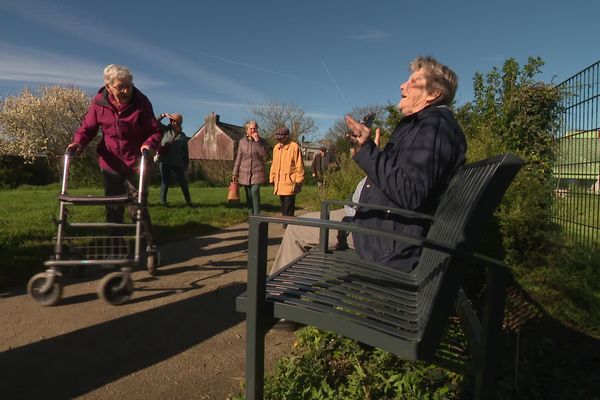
x=123 y=132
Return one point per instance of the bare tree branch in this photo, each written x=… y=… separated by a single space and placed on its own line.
x=273 y=116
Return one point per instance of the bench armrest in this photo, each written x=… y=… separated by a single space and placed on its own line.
x=257 y=220
x=325 y=206
x=489 y=262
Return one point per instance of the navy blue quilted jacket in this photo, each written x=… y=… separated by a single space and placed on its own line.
x=411 y=172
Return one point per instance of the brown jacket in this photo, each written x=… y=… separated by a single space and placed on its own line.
x=249 y=166
x=287 y=170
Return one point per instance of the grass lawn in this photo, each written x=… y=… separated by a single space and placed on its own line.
x=27 y=227
x=579 y=215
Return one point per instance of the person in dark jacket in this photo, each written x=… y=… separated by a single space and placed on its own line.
x=126 y=118
x=249 y=166
x=318 y=166
x=173 y=156
x=411 y=171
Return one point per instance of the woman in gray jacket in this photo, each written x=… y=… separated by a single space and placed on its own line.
x=249 y=166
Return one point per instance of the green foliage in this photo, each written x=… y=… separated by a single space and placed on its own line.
x=216 y=172
x=326 y=366
x=568 y=286
x=512 y=112
x=341 y=183
x=85 y=170
x=14 y=171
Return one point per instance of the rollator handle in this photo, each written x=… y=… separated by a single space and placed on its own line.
x=72 y=151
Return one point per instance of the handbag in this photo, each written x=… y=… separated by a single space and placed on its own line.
x=233 y=195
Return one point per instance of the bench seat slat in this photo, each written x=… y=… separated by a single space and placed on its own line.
x=370 y=310
x=343 y=290
x=359 y=302
x=320 y=264
x=404 y=331
x=391 y=291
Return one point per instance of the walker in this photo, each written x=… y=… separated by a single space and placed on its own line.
x=75 y=249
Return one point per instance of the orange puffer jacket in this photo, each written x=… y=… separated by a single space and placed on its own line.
x=287 y=170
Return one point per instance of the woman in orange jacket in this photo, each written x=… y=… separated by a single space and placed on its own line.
x=287 y=171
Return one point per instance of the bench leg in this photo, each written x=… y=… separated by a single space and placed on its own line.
x=493 y=315
x=255 y=363
x=256 y=319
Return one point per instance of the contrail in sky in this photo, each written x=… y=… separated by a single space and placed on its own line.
x=243 y=64
x=335 y=84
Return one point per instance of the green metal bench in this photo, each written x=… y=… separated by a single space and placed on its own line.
x=403 y=313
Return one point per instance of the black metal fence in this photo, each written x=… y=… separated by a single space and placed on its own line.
x=577 y=170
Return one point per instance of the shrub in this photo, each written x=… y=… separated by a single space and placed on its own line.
x=216 y=172
x=340 y=184
x=326 y=366
x=14 y=172
x=512 y=112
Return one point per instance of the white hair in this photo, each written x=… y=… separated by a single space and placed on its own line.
x=439 y=77
x=113 y=72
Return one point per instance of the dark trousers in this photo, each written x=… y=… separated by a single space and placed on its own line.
x=116 y=184
x=288 y=205
x=165 y=177
x=342 y=236
x=253 y=198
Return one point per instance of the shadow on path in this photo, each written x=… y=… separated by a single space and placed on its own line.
x=76 y=363
x=180 y=252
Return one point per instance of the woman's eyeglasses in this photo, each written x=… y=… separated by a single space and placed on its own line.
x=121 y=87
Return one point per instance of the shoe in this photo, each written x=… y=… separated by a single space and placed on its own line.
x=342 y=241
x=341 y=246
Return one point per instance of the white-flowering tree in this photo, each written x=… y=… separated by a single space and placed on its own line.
x=41 y=122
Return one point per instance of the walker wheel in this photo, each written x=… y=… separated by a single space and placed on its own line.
x=110 y=292
x=35 y=288
x=153 y=261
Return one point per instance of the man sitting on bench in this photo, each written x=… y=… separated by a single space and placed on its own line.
x=411 y=172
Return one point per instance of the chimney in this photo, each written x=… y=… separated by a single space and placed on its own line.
x=211 y=122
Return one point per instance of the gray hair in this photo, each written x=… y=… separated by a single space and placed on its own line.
x=439 y=78
x=113 y=72
x=251 y=122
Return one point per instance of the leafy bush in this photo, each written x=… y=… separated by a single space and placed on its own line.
x=215 y=172
x=340 y=184
x=85 y=171
x=325 y=366
x=15 y=172
x=512 y=112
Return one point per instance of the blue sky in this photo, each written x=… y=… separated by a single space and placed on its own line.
x=194 y=57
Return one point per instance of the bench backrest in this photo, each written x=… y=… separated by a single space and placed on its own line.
x=463 y=212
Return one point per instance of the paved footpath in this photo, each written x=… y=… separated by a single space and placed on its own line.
x=179 y=337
